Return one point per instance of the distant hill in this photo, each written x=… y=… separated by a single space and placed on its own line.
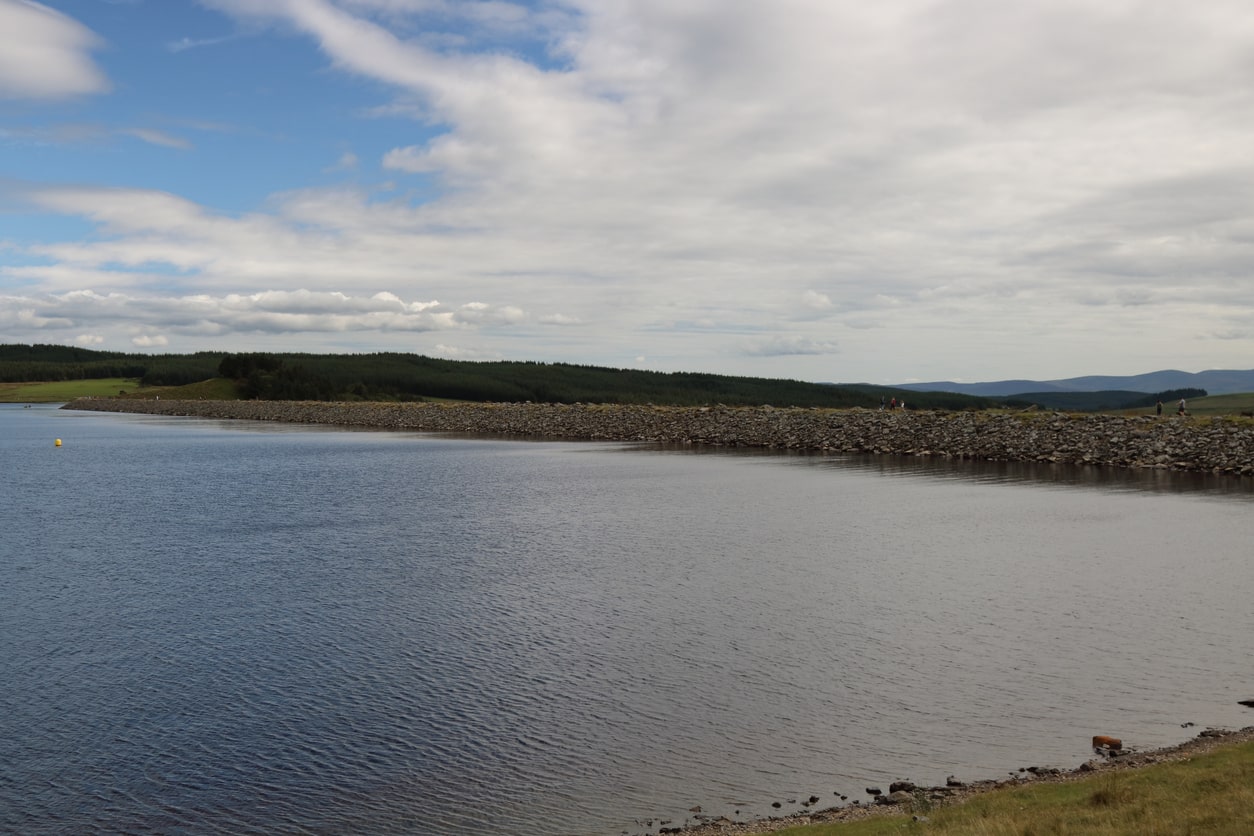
x=400 y=377
x=1215 y=382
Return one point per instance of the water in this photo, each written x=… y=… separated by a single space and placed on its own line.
x=212 y=627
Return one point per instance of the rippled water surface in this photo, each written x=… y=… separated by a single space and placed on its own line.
x=235 y=627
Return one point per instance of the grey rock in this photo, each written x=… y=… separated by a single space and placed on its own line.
x=1219 y=446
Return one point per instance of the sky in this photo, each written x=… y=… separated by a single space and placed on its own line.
x=824 y=190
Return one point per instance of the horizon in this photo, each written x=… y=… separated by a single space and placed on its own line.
x=685 y=371
x=812 y=190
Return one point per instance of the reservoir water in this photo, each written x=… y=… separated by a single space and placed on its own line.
x=235 y=627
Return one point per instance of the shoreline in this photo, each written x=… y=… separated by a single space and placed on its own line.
x=1205 y=741
x=1221 y=446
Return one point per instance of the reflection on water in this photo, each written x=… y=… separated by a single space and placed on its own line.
x=225 y=627
x=1046 y=473
x=1036 y=474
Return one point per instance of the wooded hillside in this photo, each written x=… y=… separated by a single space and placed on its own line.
x=398 y=377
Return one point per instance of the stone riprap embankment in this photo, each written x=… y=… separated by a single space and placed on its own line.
x=1219 y=445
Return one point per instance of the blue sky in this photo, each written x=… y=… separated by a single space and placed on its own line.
x=814 y=189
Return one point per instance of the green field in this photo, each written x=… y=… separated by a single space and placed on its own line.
x=1212 y=405
x=216 y=389
x=65 y=390
x=1233 y=404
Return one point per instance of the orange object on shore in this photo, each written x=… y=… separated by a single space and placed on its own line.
x=1101 y=741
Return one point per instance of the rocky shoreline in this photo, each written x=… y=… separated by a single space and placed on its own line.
x=1220 y=445
x=955 y=792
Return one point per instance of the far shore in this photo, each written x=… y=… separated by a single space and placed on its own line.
x=1215 y=445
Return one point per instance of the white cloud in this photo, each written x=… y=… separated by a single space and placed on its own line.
x=46 y=54
x=81 y=133
x=150 y=341
x=450 y=352
x=814 y=300
x=789 y=346
x=23 y=317
x=558 y=319
x=185 y=43
x=480 y=313
x=161 y=138
x=267 y=312
x=973 y=182
x=348 y=161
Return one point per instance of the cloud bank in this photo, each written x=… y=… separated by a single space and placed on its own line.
x=46 y=54
x=826 y=190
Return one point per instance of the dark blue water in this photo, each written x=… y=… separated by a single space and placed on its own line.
x=215 y=627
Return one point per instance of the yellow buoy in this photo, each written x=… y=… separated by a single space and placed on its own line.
x=58 y=442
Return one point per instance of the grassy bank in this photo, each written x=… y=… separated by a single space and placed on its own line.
x=215 y=389
x=65 y=390
x=1213 y=406
x=1233 y=405
x=60 y=391
x=1204 y=792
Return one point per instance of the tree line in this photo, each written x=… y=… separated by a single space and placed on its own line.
x=392 y=376
x=46 y=363
x=398 y=377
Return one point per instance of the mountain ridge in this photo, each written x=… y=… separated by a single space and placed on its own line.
x=1214 y=381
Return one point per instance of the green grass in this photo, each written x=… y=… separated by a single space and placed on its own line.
x=1208 y=793
x=64 y=390
x=1211 y=406
x=215 y=389
x=1233 y=404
